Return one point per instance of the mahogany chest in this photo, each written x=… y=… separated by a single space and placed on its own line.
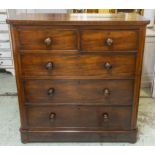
x=78 y=76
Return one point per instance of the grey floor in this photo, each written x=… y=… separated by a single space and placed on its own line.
x=10 y=123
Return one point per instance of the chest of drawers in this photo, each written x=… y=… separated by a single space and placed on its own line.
x=78 y=78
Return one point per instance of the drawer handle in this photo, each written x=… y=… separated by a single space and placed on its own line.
x=106 y=92
x=109 y=41
x=105 y=117
x=50 y=91
x=48 y=41
x=49 y=66
x=107 y=66
x=52 y=116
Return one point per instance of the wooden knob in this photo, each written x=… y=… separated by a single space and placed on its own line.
x=107 y=66
x=106 y=92
x=50 y=91
x=49 y=66
x=52 y=116
x=109 y=41
x=105 y=117
x=48 y=41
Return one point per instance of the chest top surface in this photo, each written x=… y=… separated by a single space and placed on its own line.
x=77 y=19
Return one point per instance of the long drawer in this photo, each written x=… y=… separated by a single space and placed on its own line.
x=36 y=38
x=109 y=40
x=108 y=118
x=104 y=65
x=81 y=92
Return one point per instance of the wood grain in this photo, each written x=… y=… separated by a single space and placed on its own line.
x=78 y=65
x=80 y=116
x=78 y=79
x=78 y=19
x=79 y=92
x=95 y=40
x=32 y=38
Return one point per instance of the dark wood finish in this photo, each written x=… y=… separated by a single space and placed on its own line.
x=19 y=83
x=142 y=32
x=97 y=40
x=78 y=79
x=34 y=38
x=78 y=135
x=119 y=118
x=81 y=92
x=78 y=65
x=78 y=19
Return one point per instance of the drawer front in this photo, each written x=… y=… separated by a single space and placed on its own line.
x=47 y=39
x=109 y=118
x=5 y=54
x=84 y=92
x=92 y=40
x=78 y=65
x=5 y=62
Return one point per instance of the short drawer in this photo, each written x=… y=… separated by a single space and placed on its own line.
x=6 y=62
x=47 y=38
x=98 y=40
x=79 y=92
x=109 y=118
x=78 y=65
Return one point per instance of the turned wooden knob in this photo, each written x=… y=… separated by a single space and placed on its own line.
x=107 y=66
x=105 y=117
x=50 y=91
x=109 y=41
x=52 y=116
x=49 y=66
x=48 y=41
x=106 y=92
